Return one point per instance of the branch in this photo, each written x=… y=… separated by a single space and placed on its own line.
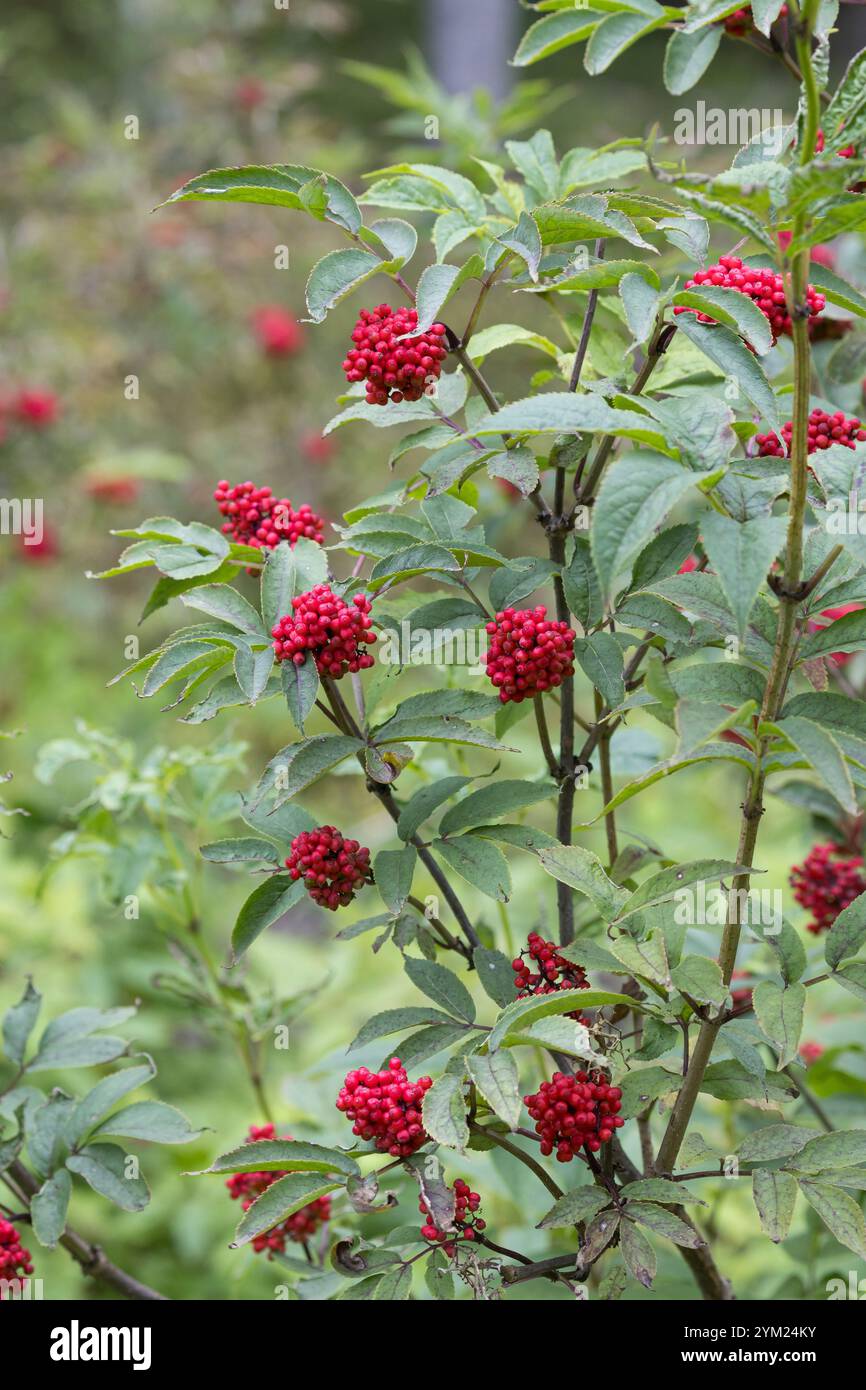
x=90 y=1257
x=588 y=317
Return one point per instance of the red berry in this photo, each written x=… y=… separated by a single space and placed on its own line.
x=826 y=882
x=573 y=1112
x=14 y=1259
x=332 y=630
x=37 y=408
x=765 y=287
x=741 y=22
x=741 y=996
x=397 y=363
x=332 y=868
x=838 y=658
x=468 y=1224
x=298 y=1227
x=255 y=517
x=548 y=973
x=386 y=1107
x=278 y=333
x=824 y=431
x=527 y=654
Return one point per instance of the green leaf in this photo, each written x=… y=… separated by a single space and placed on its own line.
x=77 y=1052
x=299 y=765
x=731 y=307
x=444 y=1112
x=437 y=284
x=502 y=335
x=582 y=589
x=741 y=554
x=223 y=602
x=638 y=1254
x=668 y=882
x=393 y=871
x=583 y=870
x=640 y=302
x=517 y=466
x=279 y=185
x=688 y=56
x=102 y=1097
x=846 y=1148
x=614 y=35
x=151 y=1120
x=775 y=1194
x=395 y=1021
x=335 y=276
x=563 y=412
x=636 y=495
x=845 y=634
x=18 y=1023
x=837 y=290
x=773 y=1142
x=479 y=862
x=735 y=360
x=491 y=802
x=779 y=1010
x=823 y=755
x=425 y=801
x=442 y=986
x=277 y=1155
x=580 y=1204
x=266 y=904
x=244 y=850
x=496 y=1077
x=520 y=1015
x=48 y=1208
x=700 y=978
x=600 y=658
x=104 y=1168
x=666 y=1224
x=398 y=237
x=280 y=1201
x=289 y=571
x=646 y=958
x=659 y=1190
x=599 y=1233
x=495 y=975
x=552 y=33
x=847 y=934
x=525 y=241
x=300 y=688
x=730 y=682
x=840 y=1213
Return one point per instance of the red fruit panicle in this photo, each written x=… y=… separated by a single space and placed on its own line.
x=386 y=1107
x=826 y=882
x=255 y=517
x=119 y=489
x=36 y=408
x=279 y=335
x=248 y=1186
x=573 y=1112
x=810 y=1052
x=528 y=654
x=743 y=995
x=548 y=972
x=15 y=1260
x=397 y=363
x=742 y=22
x=824 y=431
x=765 y=287
x=332 y=868
x=468 y=1225
x=333 y=631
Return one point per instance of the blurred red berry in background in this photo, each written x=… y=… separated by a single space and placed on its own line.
x=277 y=332
x=36 y=407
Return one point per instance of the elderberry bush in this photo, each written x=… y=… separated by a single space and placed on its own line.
x=687 y=600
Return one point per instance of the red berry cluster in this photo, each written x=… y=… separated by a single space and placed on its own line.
x=386 y=1107
x=741 y=22
x=332 y=868
x=278 y=333
x=552 y=972
x=298 y=1227
x=256 y=517
x=826 y=882
x=34 y=409
x=467 y=1224
x=765 y=287
x=334 y=632
x=575 y=1111
x=824 y=430
x=528 y=654
x=396 y=363
x=14 y=1259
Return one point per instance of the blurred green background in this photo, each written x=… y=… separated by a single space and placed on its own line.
x=133 y=334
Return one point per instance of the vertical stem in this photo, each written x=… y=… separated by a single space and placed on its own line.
x=565 y=804
x=606 y=781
